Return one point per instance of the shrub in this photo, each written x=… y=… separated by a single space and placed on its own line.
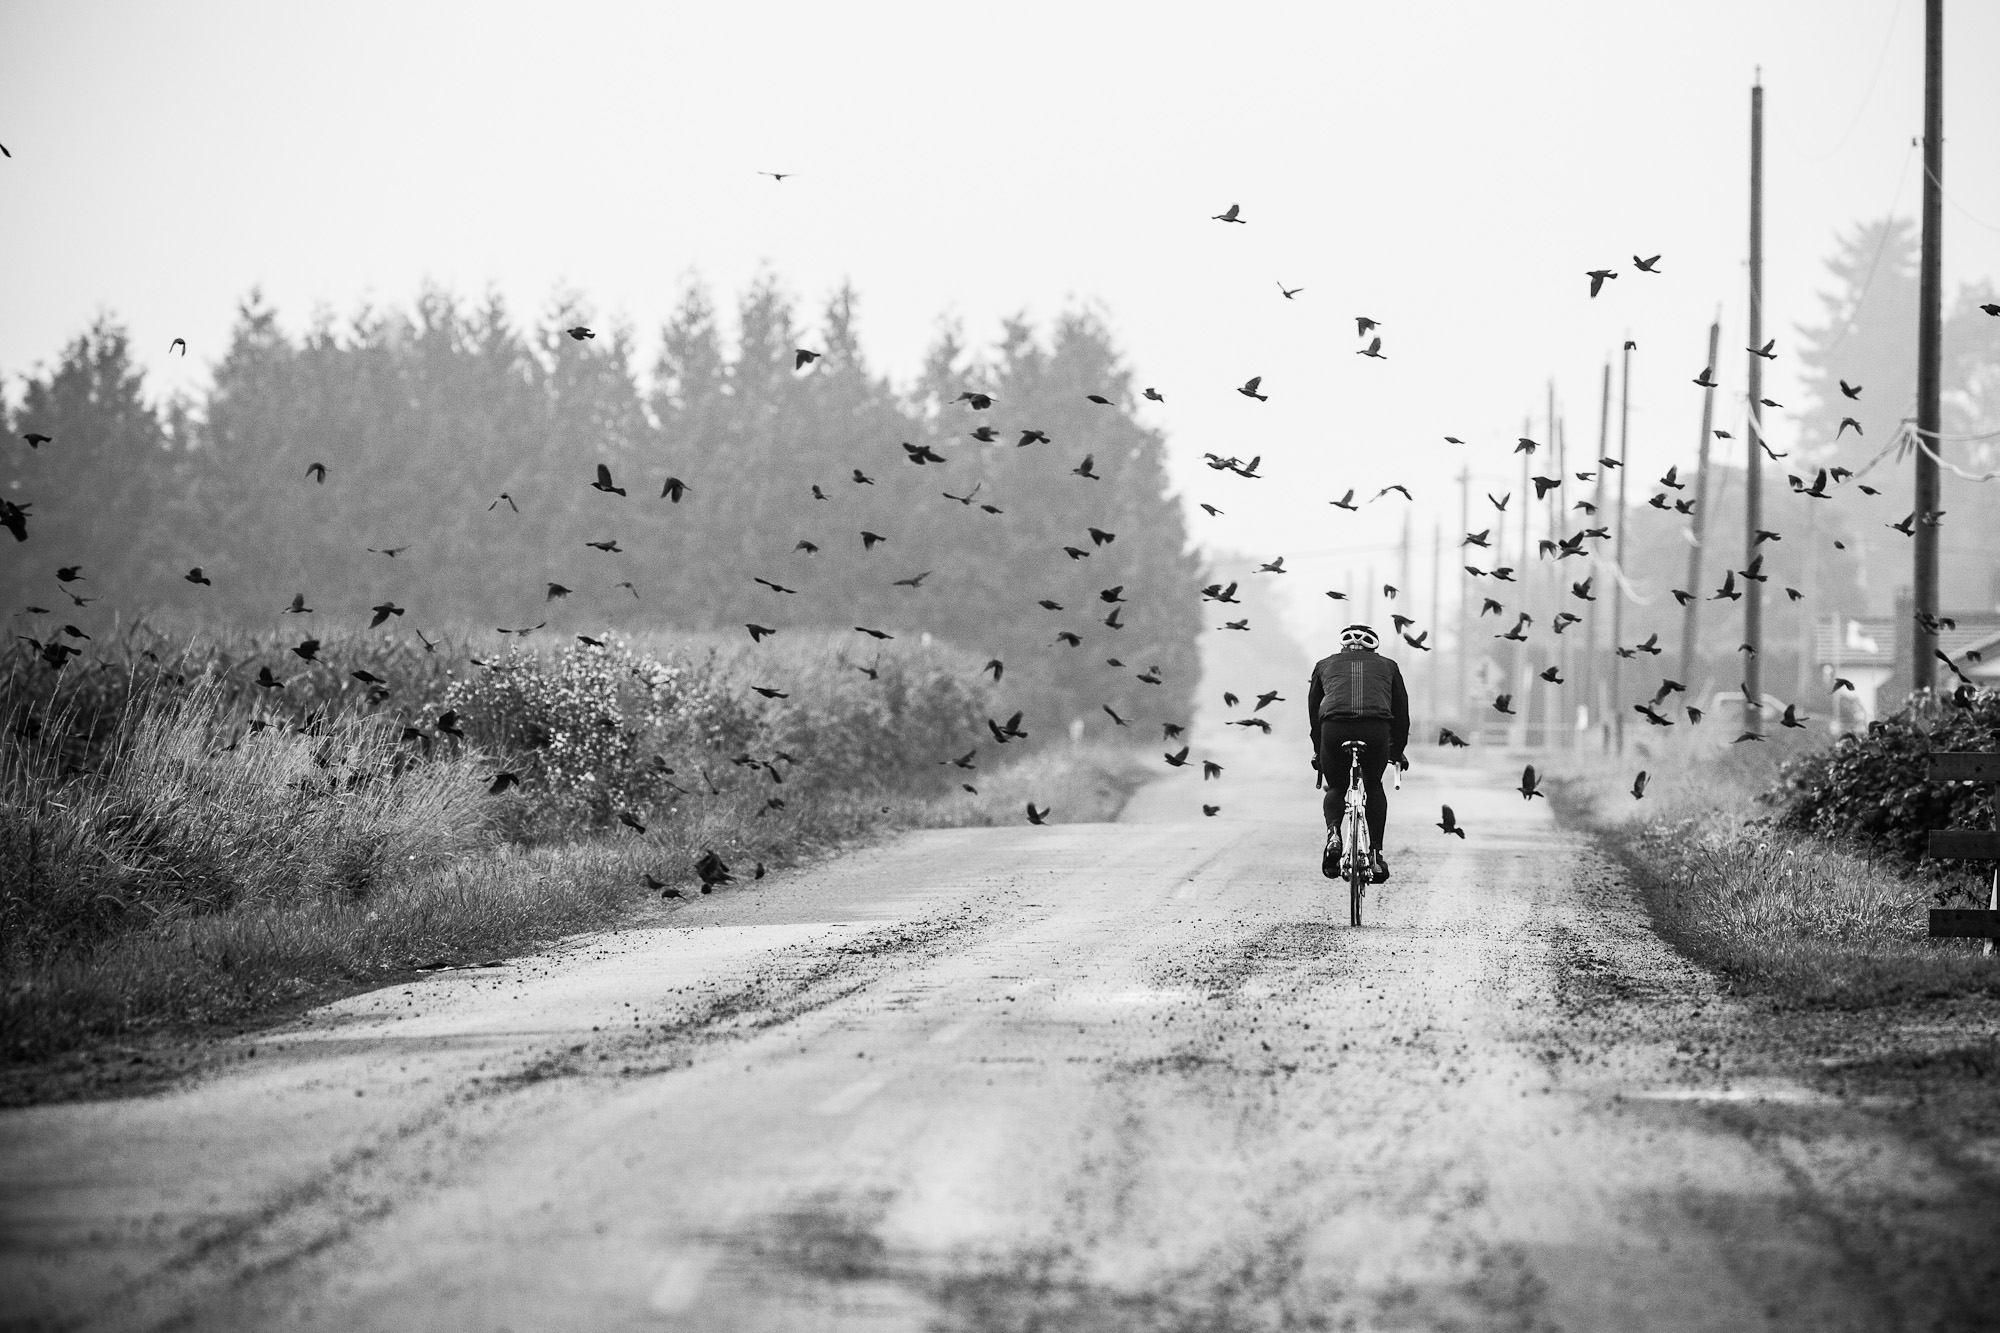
x=1874 y=789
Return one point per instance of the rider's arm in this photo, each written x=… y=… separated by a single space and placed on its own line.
x=1399 y=722
x=1314 y=697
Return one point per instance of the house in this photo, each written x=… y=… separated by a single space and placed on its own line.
x=1873 y=652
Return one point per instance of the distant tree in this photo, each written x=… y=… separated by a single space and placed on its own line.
x=1869 y=338
x=106 y=490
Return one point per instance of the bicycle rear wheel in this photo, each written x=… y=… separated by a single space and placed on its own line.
x=1359 y=855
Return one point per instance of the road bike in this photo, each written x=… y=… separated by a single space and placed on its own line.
x=1356 y=854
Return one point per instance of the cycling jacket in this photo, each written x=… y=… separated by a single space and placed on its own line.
x=1358 y=683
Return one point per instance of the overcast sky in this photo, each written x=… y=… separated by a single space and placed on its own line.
x=1450 y=169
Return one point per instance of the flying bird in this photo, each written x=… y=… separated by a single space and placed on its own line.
x=1288 y=292
x=1346 y=502
x=580 y=333
x=1083 y=469
x=1449 y=823
x=1374 y=349
x=801 y=358
x=872 y=633
x=1362 y=324
x=1178 y=759
x=1645 y=265
x=1154 y=395
x=1446 y=736
x=604 y=482
x=1393 y=486
x=868 y=539
x=1639 y=786
x=1249 y=389
x=1531 y=786
x=758 y=632
x=1230 y=214
x=1764 y=351
x=1040 y=816
x=317 y=471
x=1597 y=278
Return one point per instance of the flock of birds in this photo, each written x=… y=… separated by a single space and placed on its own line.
x=59 y=645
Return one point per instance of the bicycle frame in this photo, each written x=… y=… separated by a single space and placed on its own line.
x=1356 y=853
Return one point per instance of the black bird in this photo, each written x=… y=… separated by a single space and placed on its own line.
x=676 y=488
x=915 y=581
x=1249 y=389
x=1449 y=823
x=1645 y=265
x=1597 y=278
x=868 y=539
x=1040 y=816
x=1504 y=704
x=383 y=610
x=1639 y=786
x=757 y=632
x=1178 y=759
x=1362 y=324
x=1210 y=769
x=862 y=478
x=984 y=435
x=712 y=871
x=556 y=590
x=580 y=333
x=1008 y=730
x=996 y=667
x=510 y=503
x=1099 y=399
x=1029 y=437
x=181 y=343
x=196 y=576
x=774 y=587
x=1114 y=715
x=873 y=633
x=1230 y=214
x=1099 y=537
x=317 y=471
x=1373 y=349
x=1288 y=292
x=1446 y=736
x=604 y=482
x=1850 y=390
x=1345 y=502
x=980 y=401
x=1764 y=351
x=1530 y=784
x=609 y=548
x=36 y=439
x=801 y=358
x=1083 y=469
x=1154 y=395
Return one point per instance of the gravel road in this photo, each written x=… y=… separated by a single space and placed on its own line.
x=1108 y=1076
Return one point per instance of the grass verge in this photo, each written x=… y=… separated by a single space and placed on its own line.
x=1783 y=914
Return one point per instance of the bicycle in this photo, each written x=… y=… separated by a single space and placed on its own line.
x=1356 y=855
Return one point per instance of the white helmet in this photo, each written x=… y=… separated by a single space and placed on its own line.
x=1360 y=636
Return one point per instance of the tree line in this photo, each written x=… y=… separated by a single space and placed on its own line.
x=467 y=445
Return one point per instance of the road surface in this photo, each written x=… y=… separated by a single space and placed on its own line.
x=1099 y=1077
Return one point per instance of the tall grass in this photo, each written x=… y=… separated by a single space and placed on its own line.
x=1802 y=918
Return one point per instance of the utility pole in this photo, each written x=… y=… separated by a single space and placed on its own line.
x=1523 y=658
x=1618 y=592
x=1753 y=477
x=1593 y=661
x=1436 y=625
x=1567 y=716
x=1464 y=626
x=1923 y=634
x=1691 y=615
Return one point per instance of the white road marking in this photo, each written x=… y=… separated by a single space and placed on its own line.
x=851 y=1096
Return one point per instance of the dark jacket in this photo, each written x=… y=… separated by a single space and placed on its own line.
x=1358 y=683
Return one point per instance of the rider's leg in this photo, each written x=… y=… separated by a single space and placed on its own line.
x=1333 y=766
x=1374 y=763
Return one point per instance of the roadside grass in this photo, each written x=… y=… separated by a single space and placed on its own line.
x=186 y=858
x=1802 y=919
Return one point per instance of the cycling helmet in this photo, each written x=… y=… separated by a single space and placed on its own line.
x=1360 y=636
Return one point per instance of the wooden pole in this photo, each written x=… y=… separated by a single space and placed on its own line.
x=1462 y=648
x=1923 y=634
x=1436 y=625
x=1753 y=478
x=1698 y=528
x=1618 y=591
x=1594 y=658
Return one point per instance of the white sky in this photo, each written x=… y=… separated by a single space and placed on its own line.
x=1450 y=169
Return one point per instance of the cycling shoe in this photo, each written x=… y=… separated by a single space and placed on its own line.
x=1329 y=861
x=1380 y=870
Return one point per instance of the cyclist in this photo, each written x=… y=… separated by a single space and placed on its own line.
x=1357 y=695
